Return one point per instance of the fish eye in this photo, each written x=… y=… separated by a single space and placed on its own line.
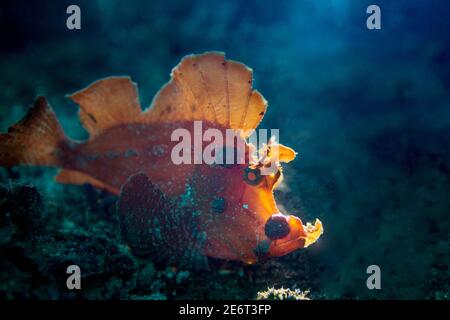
x=252 y=176
x=277 y=227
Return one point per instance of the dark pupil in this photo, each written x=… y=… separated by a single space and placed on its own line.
x=277 y=227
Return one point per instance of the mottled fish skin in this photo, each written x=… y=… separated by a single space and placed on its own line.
x=122 y=151
x=156 y=225
x=208 y=210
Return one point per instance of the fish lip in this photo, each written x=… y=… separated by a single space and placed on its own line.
x=312 y=233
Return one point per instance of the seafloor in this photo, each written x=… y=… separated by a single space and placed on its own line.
x=368 y=112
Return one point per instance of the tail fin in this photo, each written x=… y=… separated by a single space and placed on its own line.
x=34 y=140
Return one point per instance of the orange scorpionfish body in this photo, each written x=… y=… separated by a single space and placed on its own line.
x=180 y=212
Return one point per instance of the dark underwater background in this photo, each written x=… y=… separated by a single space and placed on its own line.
x=367 y=110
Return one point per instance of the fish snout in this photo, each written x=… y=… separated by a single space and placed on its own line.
x=287 y=233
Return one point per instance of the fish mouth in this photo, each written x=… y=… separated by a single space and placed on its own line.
x=309 y=233
x=300 y=236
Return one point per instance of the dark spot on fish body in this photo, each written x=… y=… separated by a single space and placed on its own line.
x=112 y=154
x=261 y=249
x=218 y=205
x=158 y=150
x=92 y=157
x=131 y=153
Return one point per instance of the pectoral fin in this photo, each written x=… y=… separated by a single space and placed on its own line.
x=154 y=224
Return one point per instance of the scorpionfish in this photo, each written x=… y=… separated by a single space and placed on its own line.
x=180 y=212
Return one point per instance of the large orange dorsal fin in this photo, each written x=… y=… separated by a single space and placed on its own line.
x=106 y=103
x=208 y=87
x=202 y=87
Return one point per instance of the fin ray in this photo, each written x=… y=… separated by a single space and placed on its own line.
x=239 y=81
x=256 y=110
x=208 y=87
